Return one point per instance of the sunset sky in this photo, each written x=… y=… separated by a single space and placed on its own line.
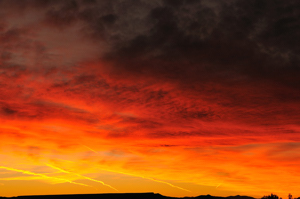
x=177 y=97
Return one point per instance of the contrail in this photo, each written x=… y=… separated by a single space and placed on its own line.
x=22 y=178
x=148 y=179
x=140 y=176
x=167 y=183
x=90 y=148
x=91 y=179
x=219 y=185
x=41 y=175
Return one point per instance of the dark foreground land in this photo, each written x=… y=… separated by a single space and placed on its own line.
x=122 y=196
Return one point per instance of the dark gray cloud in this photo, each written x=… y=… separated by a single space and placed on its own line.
x=191 y=40
x=188 y=40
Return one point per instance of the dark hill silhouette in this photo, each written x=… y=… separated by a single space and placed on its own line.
x=123 y=196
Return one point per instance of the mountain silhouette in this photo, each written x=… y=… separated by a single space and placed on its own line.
x=122 y=196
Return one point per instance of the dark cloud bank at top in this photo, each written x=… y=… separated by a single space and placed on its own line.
x=191 y=41
x=237 y=53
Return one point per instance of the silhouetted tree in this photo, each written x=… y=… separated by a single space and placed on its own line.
x=272 y=196
x=290 y=196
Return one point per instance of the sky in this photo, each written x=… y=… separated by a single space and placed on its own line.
x=178 y=97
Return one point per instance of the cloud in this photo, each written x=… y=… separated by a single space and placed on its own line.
x=177 y=83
